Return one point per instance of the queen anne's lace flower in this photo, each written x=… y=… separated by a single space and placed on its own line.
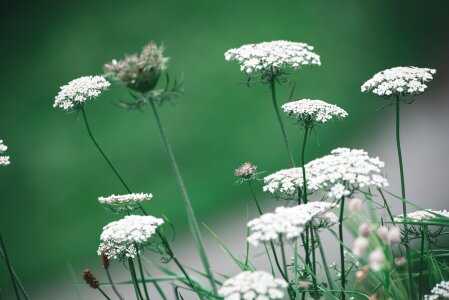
x=4 y=160
x=246 y=171
x=77 y=91
x=310 y=111
x=273 y=56
x=422 y=215
x=288 y=222
x=399 y=81
x=339 y=174
x=440 y=291
x=125 y=202
x=126 y=237
x=257 y=285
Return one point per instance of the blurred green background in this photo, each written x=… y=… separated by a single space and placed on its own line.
x=49 y=214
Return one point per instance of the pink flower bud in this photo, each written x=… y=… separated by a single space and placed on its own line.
x=364 y=230
x=376 y=260
x=382 y=231
x=355 y=204
x=394 y=235
x=400 y=261
x=360 y=245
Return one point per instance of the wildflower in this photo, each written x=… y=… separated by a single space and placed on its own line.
x=360 y=245
x=400 y=261
x=422 y=215
x=246 y=171
x=376 y=260
x=126 y=202
x=440 y=291
x=307 y=112
x=90 y=279
x=4 y=160
x=364 y=230
x=394 y=235
x=126 y=237
x=355 y=204
x=399 y=81
x=271 y=58
x=288 y=222
x=254 y=285
x=139 y=72
x=76 y=92
x=341 y=173
x=382 y=232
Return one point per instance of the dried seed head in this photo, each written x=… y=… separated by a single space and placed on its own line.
x=90 y=279
x=105 y=261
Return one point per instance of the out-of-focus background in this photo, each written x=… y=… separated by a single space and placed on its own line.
x=49 y=215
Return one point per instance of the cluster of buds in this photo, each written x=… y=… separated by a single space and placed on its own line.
x=139 y=72
x=247 y=171
x=384 y=236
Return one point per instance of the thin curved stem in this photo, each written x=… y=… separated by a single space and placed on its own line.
x=132 y=270
x=342 y=249
x=303 y=163
x=10 y=270
x=193 y=222
x=278 y=115
x=315 y=286
x=255 y=199
x=404 y=203
x=89 y=131
x=142 y=276
x=421 y=266
x=323 y=258
x=104 y=294
x=111 y=282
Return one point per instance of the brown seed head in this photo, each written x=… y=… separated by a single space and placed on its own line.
x=90 y=279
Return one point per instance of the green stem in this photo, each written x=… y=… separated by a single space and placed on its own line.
x=193 y=223
x=104 y=294
x=276 y=260
x=132 y=270
x=255 y=198
x=278 y=115
x=303 y=163
x=323 y=258
x=342 y=254
x=404 y=203
x=8 y=264
x=315 y=285
x=421 y=265
x=108 y=274
x=284 y=261
x=89 y=131
x=142 y=276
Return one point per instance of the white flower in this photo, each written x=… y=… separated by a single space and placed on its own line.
x=288 y=222
x=310 y=111
x=4 y=160
x=399 y=81
x=440 y=291
x=77 y=91
x=376 y=260
x=273 y=56
x=256 y=285
x=339 y=174
x=126 y=237
x=360 y=245
x=422 y=215
x=125 y=202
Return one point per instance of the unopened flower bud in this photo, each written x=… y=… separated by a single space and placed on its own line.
x=105 y=261
x=376 y=260
x=364 y=230
x=361 y=274
x=382 y=232
x=90 y=279
x=394 y=235
x=355 y=204
x=246 y=171
x=400 y=261
x=360 y=245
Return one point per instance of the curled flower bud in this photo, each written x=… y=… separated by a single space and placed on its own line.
x=394 y=235
x=90 y=279
x=246 y=171
x=364 y=230
x=360 y=245
x=355 y=204
x=376 y=260
x=382 y=232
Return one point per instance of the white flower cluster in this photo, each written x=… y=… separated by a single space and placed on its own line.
x=273 y=55
x=4 y=160
x=125 y=202
x=125 y=237
x=77 y=91
x=422 y=215
x=399 y=81
x=288 y=222
x=440 y=291
x=257 y=285
x=339 y=174
x=308 y=111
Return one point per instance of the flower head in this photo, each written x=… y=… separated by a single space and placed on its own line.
x=339 y=174
x=256 y=285
x=399 y=81
x=139 y=72
x=376 y=259
x=288 y=222
x=422 y=215
x=308 y=112
x=126 y=202
x=271 y=58
x=4 y=160
x=90 y=279
x=126 y=237
x=76 y=92
x=246 y=171
x=440 y=291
